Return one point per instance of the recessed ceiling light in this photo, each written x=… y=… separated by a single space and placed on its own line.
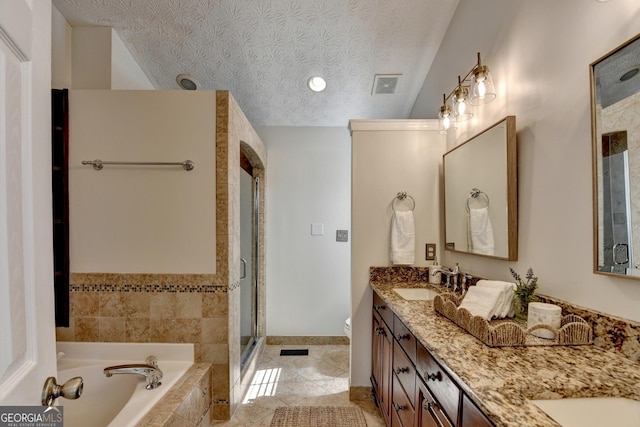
x=317 y=84
x=186 y=82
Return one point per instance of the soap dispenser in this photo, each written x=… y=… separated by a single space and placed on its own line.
x=435 y=278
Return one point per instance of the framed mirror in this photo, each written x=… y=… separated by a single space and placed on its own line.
x=615 y=129
x=481 y=193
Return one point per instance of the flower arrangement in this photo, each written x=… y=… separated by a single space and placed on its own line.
x=524 y=292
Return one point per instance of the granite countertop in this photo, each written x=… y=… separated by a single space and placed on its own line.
x=502 y=380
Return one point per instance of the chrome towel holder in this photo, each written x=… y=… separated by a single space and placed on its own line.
x=98 y=164
x=401 y=196
x=476 y=194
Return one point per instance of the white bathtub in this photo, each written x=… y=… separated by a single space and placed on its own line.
x=121 y=400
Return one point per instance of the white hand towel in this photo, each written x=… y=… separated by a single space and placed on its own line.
x=481 y=301
x=481 y=232
x=403 y=240
x=506 y=299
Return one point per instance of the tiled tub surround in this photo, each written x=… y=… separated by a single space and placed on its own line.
x=502 y=380
x=188 y=402
x=610 y=333
x=156 y=308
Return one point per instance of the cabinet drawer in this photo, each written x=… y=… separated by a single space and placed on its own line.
x=404 y=370
x=385 y=312
x=405 y=338
x=401 y=405
x=428 y=412
x=442 y=387
x=471 y=416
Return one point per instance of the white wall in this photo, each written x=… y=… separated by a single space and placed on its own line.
x=125 y=71
x=307 y=276
x=61 y=36
x=91 y=58
x=135 y=219
x=384 y=163
x=540 y=64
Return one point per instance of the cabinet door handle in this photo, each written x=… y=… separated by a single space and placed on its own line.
x=431 y=407
x=403 y=337
x=433 y=377
x=400 y=370
x=398 y=407
x=379 y=307
x=379 y=331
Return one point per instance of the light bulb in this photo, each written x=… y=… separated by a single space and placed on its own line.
x=462 y=107
x=446 y=122
x=482 y=89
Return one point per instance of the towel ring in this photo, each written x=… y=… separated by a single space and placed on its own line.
x=402 y=195
x=477 y=195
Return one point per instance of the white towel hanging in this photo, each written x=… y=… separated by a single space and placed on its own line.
x=481 y=239
x=403 y=237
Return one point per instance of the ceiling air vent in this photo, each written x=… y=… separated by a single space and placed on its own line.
x=385 y=84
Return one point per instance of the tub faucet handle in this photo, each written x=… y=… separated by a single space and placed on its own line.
x=71 y=389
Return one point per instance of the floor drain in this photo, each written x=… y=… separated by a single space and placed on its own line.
x=295 y=352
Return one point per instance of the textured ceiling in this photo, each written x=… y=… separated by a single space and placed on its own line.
x=264 y=51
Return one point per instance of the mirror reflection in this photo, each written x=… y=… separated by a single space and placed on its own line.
x=615 y=107
x=480 y=191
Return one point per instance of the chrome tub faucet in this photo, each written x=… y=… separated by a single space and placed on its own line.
x=149 y=370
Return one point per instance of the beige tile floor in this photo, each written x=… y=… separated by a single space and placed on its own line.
x=319 y=379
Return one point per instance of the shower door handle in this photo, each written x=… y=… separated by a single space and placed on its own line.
x=620 y=250
x=244 y=268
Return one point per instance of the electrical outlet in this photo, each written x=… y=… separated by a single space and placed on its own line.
x=342 y=235
x=430 y=250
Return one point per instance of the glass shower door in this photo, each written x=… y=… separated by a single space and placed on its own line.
x=249 y=230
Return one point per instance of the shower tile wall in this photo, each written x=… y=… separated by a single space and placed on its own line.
x=625 y=115
x=203 y=309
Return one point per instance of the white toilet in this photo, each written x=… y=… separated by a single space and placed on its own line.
x=347 y=327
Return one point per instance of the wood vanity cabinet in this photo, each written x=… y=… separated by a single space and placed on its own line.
x=410 y=387
x=471 y=416
x=428 y=412
x=441 y=386
x=382 y=358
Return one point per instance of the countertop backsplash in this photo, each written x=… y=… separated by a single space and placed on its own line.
x=609 y=332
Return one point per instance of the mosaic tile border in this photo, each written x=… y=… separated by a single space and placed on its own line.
x=619 y=335
x=150 y=288
x=109 y=282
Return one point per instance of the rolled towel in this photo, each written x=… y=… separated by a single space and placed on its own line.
x=481 y=301
x=506 y=300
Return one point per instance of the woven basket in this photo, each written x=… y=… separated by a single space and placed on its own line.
x=574 y=330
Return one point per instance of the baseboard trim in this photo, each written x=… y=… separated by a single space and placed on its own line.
x=314 y=340
x=360 y=393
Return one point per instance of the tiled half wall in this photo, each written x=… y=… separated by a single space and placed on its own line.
x=170 y=308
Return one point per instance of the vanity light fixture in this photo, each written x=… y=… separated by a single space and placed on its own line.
x=316 y=83
x=475 y=88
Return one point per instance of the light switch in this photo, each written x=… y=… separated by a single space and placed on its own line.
x=317 y=229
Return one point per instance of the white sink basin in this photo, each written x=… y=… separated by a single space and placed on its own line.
x=592 y=411
x=415 y=294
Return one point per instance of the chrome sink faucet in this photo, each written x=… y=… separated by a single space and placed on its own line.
x=149 y=370
x=452 y=276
